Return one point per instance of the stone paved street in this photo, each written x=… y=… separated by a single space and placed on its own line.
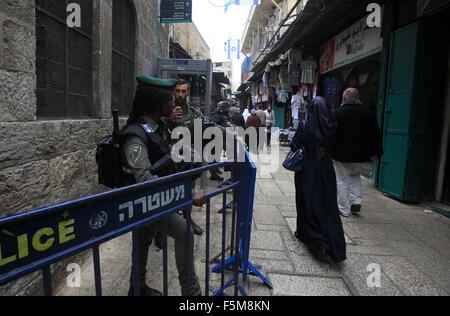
x=410 y=245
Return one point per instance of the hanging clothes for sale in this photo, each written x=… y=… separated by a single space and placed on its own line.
x=295 y=59
x=333 y=89
x=294 y=77
x=284 y=79
x=309 y=70
x=273 y=79
x=303 y=90
x=295 y=62
x=265 y=96
x=265 y=78
x=282 y=96
x=301 y=105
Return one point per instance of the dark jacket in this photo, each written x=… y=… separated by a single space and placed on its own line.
x=253 y=121
x=237 y=119
x=358 y=136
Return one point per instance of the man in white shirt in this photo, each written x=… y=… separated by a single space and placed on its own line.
x=295 y=110
x=270 y=122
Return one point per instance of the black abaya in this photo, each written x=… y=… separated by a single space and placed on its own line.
x=318 y=222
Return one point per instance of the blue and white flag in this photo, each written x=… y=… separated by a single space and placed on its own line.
x=247 y=2
x=234 y=49
x=229 y=3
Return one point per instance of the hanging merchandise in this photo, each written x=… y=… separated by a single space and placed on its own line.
x=303 y=90
x=284 y=79
x=264 y=88
x=273 y=79
x=265 y=95
x=301 y=103
x=295 y=62
x=294 y=77
x=295 y=59
x=309 y=70
x=282 y=96
x=260 y=88
x=333 y=88
x=265 y=78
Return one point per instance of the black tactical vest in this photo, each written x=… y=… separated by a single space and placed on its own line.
x=158 y=148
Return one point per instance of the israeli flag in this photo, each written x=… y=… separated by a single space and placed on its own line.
x=234 y=49
x=229 y=3
x=248 y=2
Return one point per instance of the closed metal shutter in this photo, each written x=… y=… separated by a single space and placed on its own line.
x=63 y=61
x=124 y=41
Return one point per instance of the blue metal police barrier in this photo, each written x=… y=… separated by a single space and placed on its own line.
x=35 y=240
x=241 y=259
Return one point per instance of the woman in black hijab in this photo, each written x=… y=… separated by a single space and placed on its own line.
x=319 y=225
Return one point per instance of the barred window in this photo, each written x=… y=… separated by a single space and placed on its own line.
x=63 y=61
x=124 y=41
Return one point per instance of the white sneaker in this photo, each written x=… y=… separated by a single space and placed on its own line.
x=346 y=215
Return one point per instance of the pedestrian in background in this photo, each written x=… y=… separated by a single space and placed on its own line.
x=270 y=122
x=261 y=133
x=246 y=114
x=236 y=118
x=319 y=225
x=253 y=121
x=358 y=143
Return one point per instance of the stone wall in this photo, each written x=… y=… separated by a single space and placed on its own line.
x=190 y=38
x=46 y=162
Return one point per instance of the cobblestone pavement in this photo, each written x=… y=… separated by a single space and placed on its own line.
x=410 y=245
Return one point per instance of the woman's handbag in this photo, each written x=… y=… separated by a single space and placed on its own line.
x=294 y=161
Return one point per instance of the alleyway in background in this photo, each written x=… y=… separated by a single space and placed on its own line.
x=410 y=245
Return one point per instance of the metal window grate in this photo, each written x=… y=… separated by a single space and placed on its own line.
x=124 y=38
x=63 y=61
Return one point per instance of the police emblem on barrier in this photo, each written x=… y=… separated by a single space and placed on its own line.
x=98 y=220
x=134 y=153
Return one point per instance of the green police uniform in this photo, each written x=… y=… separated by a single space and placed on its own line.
x=144 y=144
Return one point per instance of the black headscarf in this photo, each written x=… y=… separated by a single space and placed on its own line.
x=322 y=123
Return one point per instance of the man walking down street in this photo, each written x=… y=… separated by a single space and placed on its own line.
x=270 y=122
x=358 y=143
x=262 y=138
x=253 y=121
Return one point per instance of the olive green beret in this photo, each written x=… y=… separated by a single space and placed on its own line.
x=157 y=82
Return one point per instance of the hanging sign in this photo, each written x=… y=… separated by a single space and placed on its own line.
x=176 y=11
x=355 y=43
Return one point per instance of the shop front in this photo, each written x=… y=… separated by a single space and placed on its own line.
x=353 y=58
x=415 y=166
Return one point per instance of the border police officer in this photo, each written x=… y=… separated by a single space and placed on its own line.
x=146 y=155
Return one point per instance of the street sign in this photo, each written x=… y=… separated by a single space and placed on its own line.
x=176 y=11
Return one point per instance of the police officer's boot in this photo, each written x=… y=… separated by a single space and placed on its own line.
x=215 y=176
x=159 y=241
x=197 y=229
x=145 y=291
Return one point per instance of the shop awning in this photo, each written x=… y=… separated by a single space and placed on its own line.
x=244 y=86
x=220 y=77
x=319 y=21
x=177 y=51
